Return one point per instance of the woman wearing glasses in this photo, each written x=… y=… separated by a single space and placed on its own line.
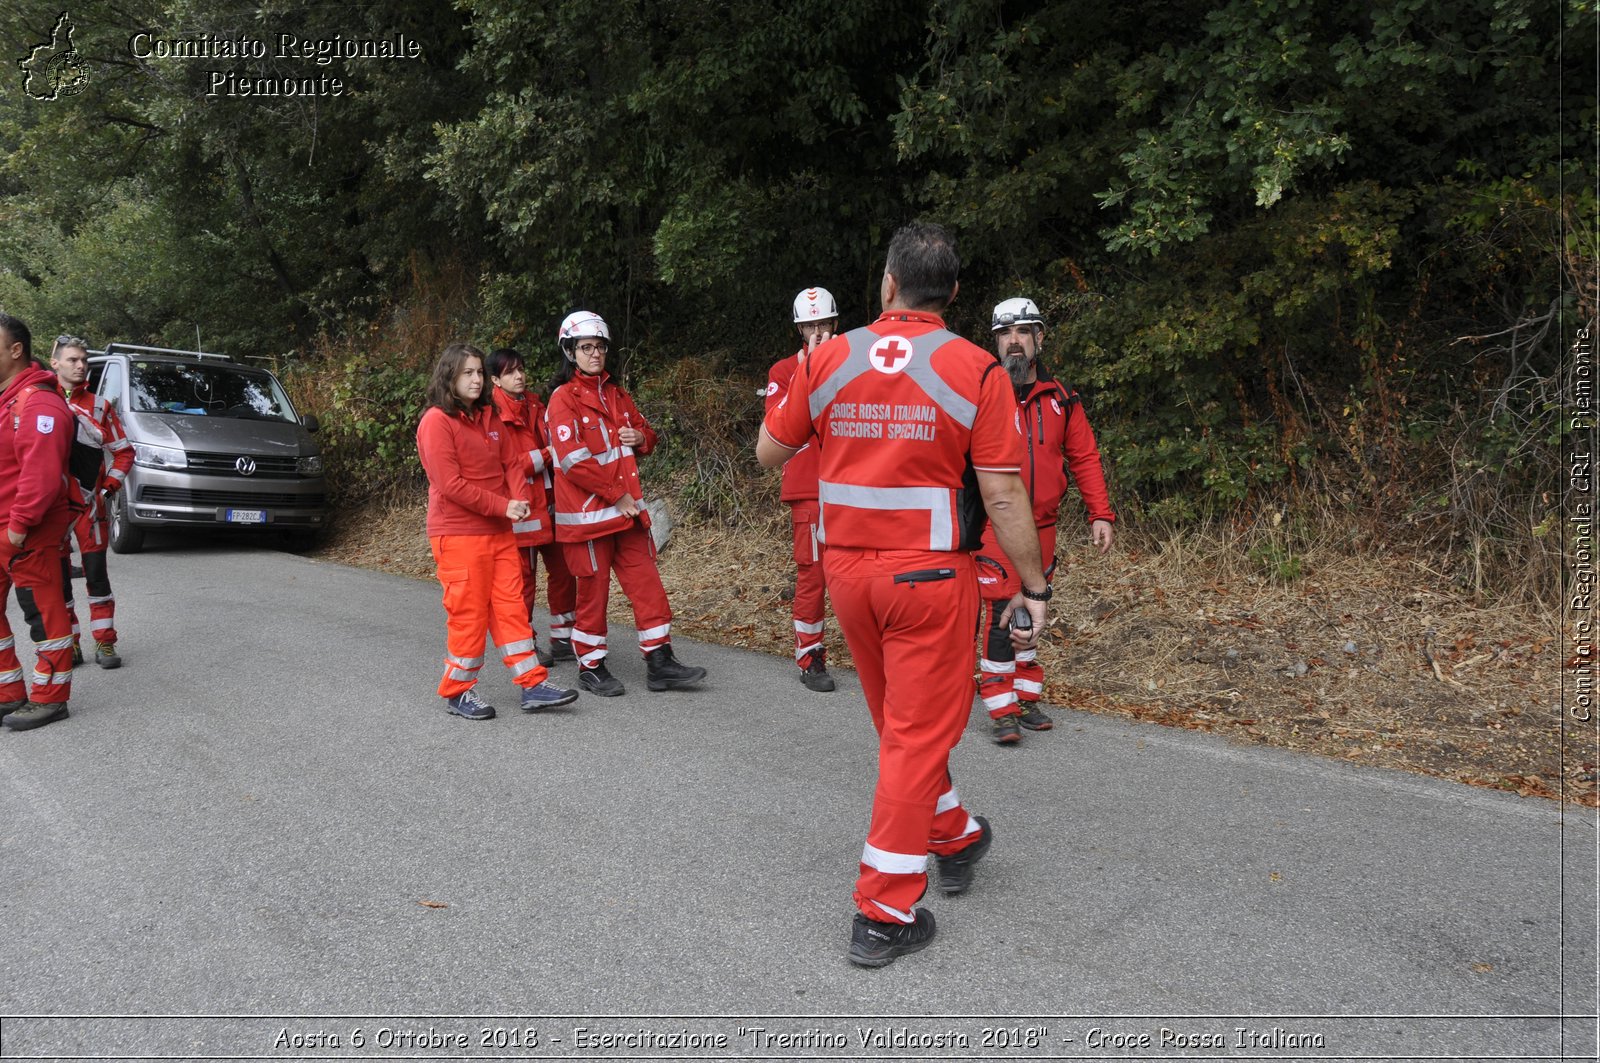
x=601 y=521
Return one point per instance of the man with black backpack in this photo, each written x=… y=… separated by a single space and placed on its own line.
x=37 y=501
x=99 y=429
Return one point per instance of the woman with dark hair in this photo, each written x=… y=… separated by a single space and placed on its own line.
x=601 y=521
x=523 y=414
x=474 y=495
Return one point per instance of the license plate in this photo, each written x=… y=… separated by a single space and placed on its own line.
x=247 y=516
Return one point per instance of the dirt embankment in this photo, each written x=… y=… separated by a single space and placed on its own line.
x=1373 y=659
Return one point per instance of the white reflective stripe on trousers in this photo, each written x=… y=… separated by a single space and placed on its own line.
x=904 y=917
x=973 y=828
x=893 y=863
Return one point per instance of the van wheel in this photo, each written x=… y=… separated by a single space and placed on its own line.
x=125 y=537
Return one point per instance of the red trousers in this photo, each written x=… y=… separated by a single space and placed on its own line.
x=561 y=590
x=1008 y=675
x=93 y=532
x=631 y=554
x=908 y=616
x=35 y=570
x=810 y=600
x=482 y=584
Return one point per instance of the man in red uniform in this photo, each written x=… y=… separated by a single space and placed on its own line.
x=1059 y=440
x=816 y=317
x=92 y=528
x=918 y=434
x=35 y=507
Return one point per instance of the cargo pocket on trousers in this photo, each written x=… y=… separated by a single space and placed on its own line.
x=454 y=583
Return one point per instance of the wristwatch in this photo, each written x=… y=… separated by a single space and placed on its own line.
x=1042 y=596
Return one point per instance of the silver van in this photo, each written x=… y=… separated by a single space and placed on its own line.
x=216 y=444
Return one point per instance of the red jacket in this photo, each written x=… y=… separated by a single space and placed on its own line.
x=901 y=408
x=523 y=418
x=594 y=470
x=114 y=440
x=800 y=471
x=1060 y=440
x=469 y=463
x=36 y=431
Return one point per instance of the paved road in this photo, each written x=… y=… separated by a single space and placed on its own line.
x=268 y=813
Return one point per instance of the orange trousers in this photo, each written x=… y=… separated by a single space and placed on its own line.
x=907 y=616
x=482 y=581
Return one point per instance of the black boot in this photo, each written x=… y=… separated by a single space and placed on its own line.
x=815 y=674
x=663 y=672
x=600 y=682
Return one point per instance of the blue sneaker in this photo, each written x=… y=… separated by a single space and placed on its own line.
x=546 y=696
x=467 y=705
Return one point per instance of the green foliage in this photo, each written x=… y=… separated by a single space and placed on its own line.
x=1283 y=246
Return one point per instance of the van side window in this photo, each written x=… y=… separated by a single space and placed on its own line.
x=111 y=383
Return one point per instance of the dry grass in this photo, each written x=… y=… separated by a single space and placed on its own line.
x=1365 y=657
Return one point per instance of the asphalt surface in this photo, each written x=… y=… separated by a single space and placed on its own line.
x=264 y=838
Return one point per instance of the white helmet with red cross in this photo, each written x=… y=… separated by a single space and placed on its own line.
x=581 y=325
x=814 y=304
x=1017 y=311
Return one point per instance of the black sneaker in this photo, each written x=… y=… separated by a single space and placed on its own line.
x=955 y=870
x=600 y=682
x=8 y=707
x=546 y=658
x=36 y=714
x=1032 y=717
x=1003 y=729
x=561 y=650
x=663 y=672
x=874 y=944
x=105 y=655
x=815 y=675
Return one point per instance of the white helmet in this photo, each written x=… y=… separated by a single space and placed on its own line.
x=1017 y=311
x=581 y=325
x=814 y=304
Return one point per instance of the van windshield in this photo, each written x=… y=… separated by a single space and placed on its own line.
x=207 y=390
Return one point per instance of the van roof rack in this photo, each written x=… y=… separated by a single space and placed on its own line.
x=110 y=347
